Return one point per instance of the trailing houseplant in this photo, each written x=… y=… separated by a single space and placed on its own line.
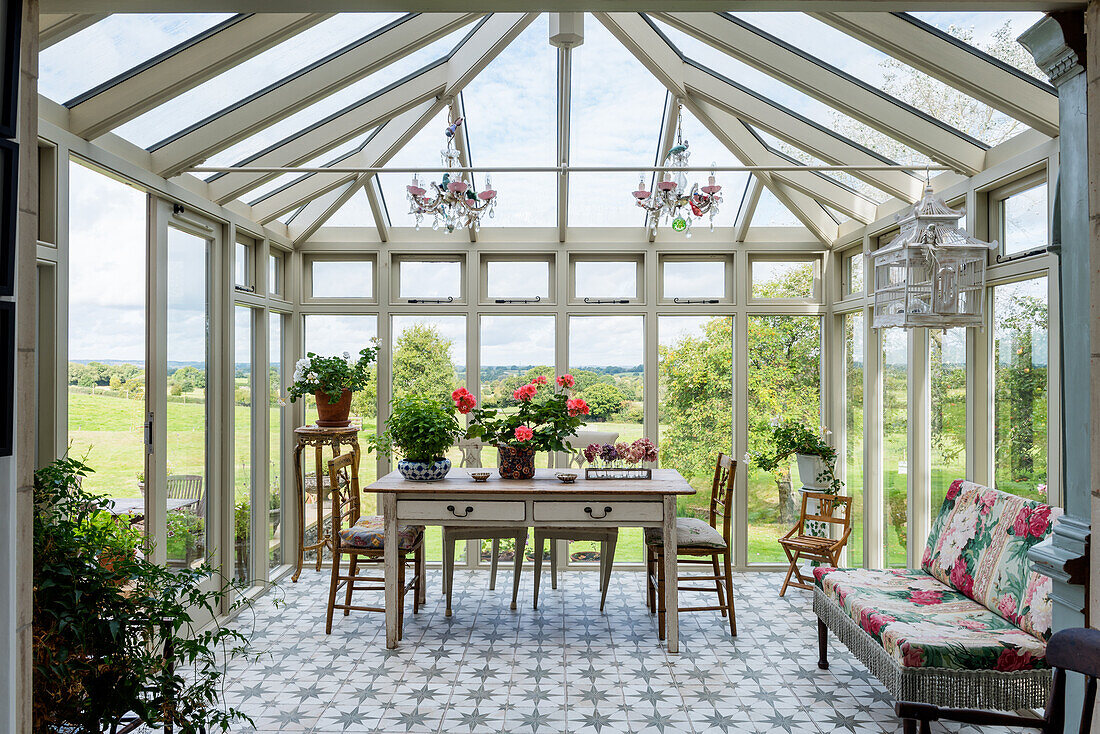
x=816 y=458
x=545 y=417
x=104 y=615
x=332 y=381
x=420 y=429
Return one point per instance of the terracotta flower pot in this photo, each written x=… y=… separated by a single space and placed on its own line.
x=515 y=462
x=333 y=415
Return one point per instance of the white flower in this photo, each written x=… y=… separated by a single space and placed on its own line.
x=301 y=364
x=311 y=376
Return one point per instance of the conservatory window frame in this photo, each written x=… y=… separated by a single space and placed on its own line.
x=549 y=258
x=443 y=255
x=307 y=277
x=816 y=259
x=729 y=276
x=1002 y=192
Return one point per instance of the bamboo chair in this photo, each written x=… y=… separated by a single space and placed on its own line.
x=701 y=550
x=800 y=546
x=1072 y=650
x=363 y=540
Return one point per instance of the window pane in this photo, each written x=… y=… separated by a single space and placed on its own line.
x=430 y=279
x=243 y=400
x=241 y=265
x=517 y=279
x=605 y=279
x=1025 y=220
x=947 y=356
x=895 y=467
x=695 y=401
x=694 y=279
x=854 y=267
x=343 y=278
x=107 y=331
x=275 y=440
x=275 y=275
x=783 y=279
x=1020 y=388
x=784 y=374
x=853 y=418
x=605 y=358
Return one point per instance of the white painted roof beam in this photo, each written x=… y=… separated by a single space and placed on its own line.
x=748 y=208
x=833 y=87
x=56 y=27
x=303 y=88
x=321 y=209
x=180 y=69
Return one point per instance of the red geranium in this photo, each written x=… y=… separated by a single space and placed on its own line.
x=576 y=407
x=539 y=380
x=523 y=433
x=566 y=381
x=524 y=393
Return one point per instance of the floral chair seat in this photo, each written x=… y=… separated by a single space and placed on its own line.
x=691 y=532
x=922 y=623
x=370 y=533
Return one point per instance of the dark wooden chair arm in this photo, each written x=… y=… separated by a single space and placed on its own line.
x=928 y=712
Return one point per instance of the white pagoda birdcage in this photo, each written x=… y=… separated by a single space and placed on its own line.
x=932 y=274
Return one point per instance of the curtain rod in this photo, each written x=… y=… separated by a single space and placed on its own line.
x=559 y=169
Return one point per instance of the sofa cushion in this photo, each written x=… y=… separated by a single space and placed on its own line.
x=691 y=532
x=978 y=546
x=370 y=533
x=923 y=623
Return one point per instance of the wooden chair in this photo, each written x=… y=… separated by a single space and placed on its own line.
x=798 y=545
x=188 y=487
x=606 y=537
x=1073 y=651
x=704 y=544
x=471 y=459
x=363 y=540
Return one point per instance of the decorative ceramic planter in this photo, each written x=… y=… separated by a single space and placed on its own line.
x=424 y=471
x=515 y=462
x=809 y=469
x=333 y=415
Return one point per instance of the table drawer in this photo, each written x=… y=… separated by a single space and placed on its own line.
x=461 y=509
x=560 y=511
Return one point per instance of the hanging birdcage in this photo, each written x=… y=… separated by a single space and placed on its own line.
x=932 y=274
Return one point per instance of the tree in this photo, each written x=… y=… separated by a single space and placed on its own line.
x=1021 y=384
x=422 y=363
x=603 y=400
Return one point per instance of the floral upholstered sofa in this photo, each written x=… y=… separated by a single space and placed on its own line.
x=966 y=629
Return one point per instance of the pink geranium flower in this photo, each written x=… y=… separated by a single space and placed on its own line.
x=524 y=393
x=576 y=407
x=566 y=381
x=466 y=403
x=523 y=433
x=539 y=380
x=460 y=392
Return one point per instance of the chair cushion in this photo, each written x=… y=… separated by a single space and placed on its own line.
x=978 y=546
x=370 y=532
x=922 y=623
x=691 y=532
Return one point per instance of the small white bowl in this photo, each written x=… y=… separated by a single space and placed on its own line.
x=480 y=476
x=566 y=477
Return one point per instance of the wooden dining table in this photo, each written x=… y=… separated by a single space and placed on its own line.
x=543 y=501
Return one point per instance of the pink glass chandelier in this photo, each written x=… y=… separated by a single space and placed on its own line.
x=671 y=200
x=455 y=202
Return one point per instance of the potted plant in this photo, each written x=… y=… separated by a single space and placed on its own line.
x=816 y=458
x=421 y=429
x=332 y=380
x=545 y=417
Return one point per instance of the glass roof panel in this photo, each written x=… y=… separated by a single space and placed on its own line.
x=115 y=44
x=337 y=101
x=840 y=177
x=791 y=98
x=706 y=149
x=994 y=33
x=770 y=212
x=331 y=157
x=355 y=213
x=510 y=113
x=252 y=75
x=887 y=74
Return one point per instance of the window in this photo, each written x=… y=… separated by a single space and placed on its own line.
x=276 y=490
x=787 y=279
x=784 y=374
x=895 y=446
x=947 y=367
x=695 y=280
x=599 y=279
x=516 y=279
x=275 y=274
x=1020 y=388
x=429 y=280
x=853 y=428
x=244 y=395
x=1022 y=224
x=342 y=278
x=853 y=272
x=242 y=265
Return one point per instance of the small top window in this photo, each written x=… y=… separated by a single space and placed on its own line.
x=429 y=280
x=785 y=279
x=342 y=278
x=242 y=266
x=688 y=280
x=605 y=280
x=853 y=272
x=1023 y=220
x=275 y=274
x=516 y=280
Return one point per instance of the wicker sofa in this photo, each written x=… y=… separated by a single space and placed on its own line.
x=968 y=628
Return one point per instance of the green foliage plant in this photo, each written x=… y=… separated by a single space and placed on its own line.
x=103 y=615
x=332 y=375
x=420 y=427
x=794 y=437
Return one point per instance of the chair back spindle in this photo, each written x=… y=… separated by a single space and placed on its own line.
x=721 y=496
x=343 y=479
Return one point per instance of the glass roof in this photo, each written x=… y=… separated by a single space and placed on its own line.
x=105 y=49
x=771 y=213
x=994 y=33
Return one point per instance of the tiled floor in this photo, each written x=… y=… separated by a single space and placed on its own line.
x=562 y=668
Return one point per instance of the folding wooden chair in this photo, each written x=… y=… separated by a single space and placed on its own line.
x=798 y=545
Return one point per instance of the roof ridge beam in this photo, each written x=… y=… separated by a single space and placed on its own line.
x=955 y=63
x=834 y=87
x=302 y=88
x=56 y=27
x=180 y=69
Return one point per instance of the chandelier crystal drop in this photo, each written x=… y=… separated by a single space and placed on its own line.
x=932 y=274
x=671 y=201
x=455 y=202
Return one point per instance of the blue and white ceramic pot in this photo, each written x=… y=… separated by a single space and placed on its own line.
x=424 y=471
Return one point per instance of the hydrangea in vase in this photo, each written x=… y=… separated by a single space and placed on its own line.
x=620 y=460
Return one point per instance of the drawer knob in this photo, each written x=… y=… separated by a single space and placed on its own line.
x=606 y=511
x=451 y=508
